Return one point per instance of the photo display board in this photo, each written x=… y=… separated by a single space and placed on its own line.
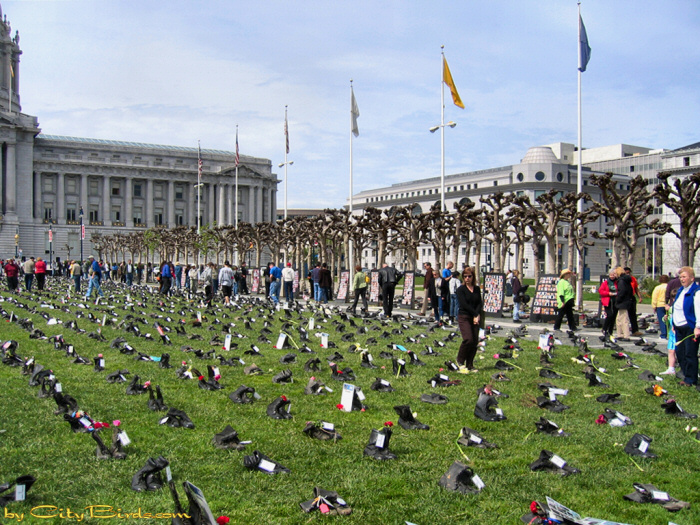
x=374 y=286
x=409 y=282
x=344 y=286
x=256 y=281
x=544 y=305
x=493 y=293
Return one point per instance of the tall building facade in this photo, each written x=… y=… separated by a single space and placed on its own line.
x=46 y=181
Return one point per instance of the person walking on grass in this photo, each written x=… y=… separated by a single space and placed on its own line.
x=469 y=315
x=686 y=325
x=565 y=300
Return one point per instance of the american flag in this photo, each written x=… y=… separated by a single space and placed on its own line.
x=199 y=163
x=238 y=157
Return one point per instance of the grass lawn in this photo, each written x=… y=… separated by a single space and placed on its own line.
x=37 y=442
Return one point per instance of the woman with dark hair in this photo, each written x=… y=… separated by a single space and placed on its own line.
x=608 y=293
x=468 y=317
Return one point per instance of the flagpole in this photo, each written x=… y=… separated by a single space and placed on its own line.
x=235 y=198
x=199 y=200
x=442 y=135
x=579 y=178
x=286 y=152
x=350 y=254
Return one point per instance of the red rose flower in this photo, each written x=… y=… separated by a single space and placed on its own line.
x=601 y=420
x=201 y=378
x=339 y=406
x=222 y=520
x=284 y=398
x=388 y=424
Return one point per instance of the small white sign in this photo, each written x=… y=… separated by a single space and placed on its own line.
x=58 y=387
x=658 y=495
x=499 y=411
x=168 y=474
x=380 y=441
x=328 y=426
x=267 y=466
x=347 y=397
x=20 y=492
x=643 y=446
x=227 y=342
x=324 y=340
x=477 y=482
x=281 y=340
x=475 y=439
x=556 y=460
x=124 y=438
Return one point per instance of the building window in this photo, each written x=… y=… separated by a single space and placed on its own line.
x=179 y=192
x=116 y=189
x=631 y=169
x=71 y=185
x=539 y=176
x=70 y=212
x=138 y=215
x=560 y=176
x=48 y=185
x=93 y=215
x=461 y=187
x=48 y=211
x=116 y=213
x=179 y=218
x=138 y=190
x=158 y=217
x=93 y=188
x=686 y=161
x=495 y=183
x=520 y=177
x=476 y=186
x=158 y=191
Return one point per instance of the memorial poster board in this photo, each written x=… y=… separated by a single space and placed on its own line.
x=409 y=280
x=344 y=286
x=374 y=289
x=256 y=281
x=493 y=294
x=544 y=304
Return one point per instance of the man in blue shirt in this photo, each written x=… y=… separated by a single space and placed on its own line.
x=275 y=283
x=95 y=278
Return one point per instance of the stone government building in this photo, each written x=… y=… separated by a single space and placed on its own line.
x=120 y=186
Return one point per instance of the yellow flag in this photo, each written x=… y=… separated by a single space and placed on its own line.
x=447 y=79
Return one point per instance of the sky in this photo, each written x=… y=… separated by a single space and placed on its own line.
x=178 y=71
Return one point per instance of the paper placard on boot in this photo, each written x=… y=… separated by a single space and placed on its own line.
x=370 y=358
x=256 y=395
x=432 y=383
x=199 y=316
x=281 y=340
x=58 y=388
x=401 y=362
x=658 y=495
x=475 y=439
x=329 y=389
x=552 y=395
x=70 y=350
x=643 y=446
x=104 y=320
x=558 y=391
x=102 y=363
x=380 y=441
x=543 y=343
x=444 y=377
x=477 y=482
x=360 y=394
x=499 y=411
x=85 y=422
x=20 y=492
x=495 y=392
x=227 y=342
x=246 y=442
x=168 y=474
x=384 y=382
x=328 y=426
x=29 y=361
x=215 y=370
x=312 y=323
x=324 y=340
x=556 y=460
x=122 y=436
x=241 y=361
x=267 y=466
x=346 y=398
x=163 y=421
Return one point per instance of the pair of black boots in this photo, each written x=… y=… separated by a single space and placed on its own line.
x=114 y=452
x=148 y=478
x=177 y=418
x=155 y=402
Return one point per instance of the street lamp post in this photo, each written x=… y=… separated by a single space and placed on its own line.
x=51 y=248
x=285 y=164
x=441 y=127
x=82 y=235
x=17 y=243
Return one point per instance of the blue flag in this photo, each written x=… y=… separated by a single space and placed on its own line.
x=584 y=50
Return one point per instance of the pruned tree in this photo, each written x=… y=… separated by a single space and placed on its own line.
x=466 y=223
x=498 y=225
x=628 y=214
x=681 y=194
x=440 y=226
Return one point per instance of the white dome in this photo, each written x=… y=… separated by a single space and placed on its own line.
x=539 y=155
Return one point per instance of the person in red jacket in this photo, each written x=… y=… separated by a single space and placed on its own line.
x=40 y=273
x=12 y=273
x=608 y=292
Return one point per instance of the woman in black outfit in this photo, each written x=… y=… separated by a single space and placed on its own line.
x=470 y=310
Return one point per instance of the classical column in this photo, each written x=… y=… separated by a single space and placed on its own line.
x=84 y=195
x=129 y=202
x=148 y=220
x=106 y=201
x=222 y=205
x=231 y=190
x=11 y=180
x=192 y=205
x=210 y=204
x=251 y=205
x=259 y=205
x=273 y=205
x=37 y=212
x=170 y=202
x=61 y=199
